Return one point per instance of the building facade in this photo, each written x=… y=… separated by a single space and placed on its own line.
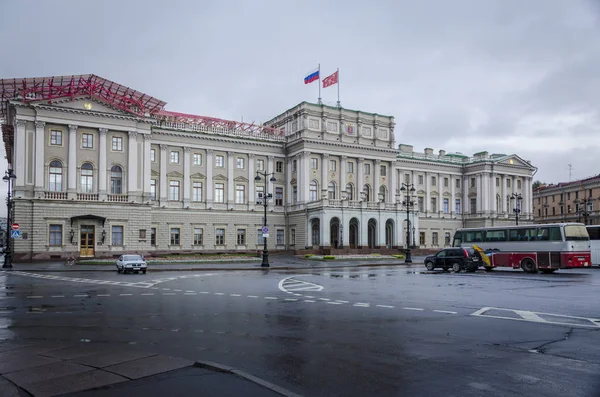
x=577 y=201
x=102 y=169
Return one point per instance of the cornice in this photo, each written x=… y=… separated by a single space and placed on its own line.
x=217 y=138
x=91 y=113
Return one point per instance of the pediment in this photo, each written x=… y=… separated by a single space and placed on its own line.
x=198 y=175
x=219 y=177
x=514 y=161
x=154 y=173
x=421 y=192
x=93 y=105
x=175 y=174
x=241 y=179
x=447 y=194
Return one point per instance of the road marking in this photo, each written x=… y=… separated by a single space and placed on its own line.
x=103 y=295
x=413 y=308
x=310 y=301
x=333 y=303
x=204 y=292
x=219 y=293
x=148 y=294
x=386 y=306
x=125 y=294
x=190 y=293
x=358 y=304
x=291 y=284
x=537 y=317
x=271 y=297
x=324 y=299
x=57 y=296
x=445 y=311
x=342 y=301
x=252 y=296
x=34 y=297
x=177 y=290
x=308 y=296
x=80 y=296
x=291 y=299
x=235 y=295
x=168 y=293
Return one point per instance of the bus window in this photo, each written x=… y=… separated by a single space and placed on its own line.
x=475 y=236
x=518 y=235
x=576 y=233
x=495 y=235
x=555 y=233
x=457 y=239
x=594 y=232
x=543 y=234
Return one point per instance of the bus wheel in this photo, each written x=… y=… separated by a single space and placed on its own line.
x=528 y=266
x=548 y=271
x=488 y=268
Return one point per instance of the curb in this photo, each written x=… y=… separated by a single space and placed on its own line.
x=254 y=379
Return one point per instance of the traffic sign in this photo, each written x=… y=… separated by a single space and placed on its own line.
x=15 y=234
x=265 y=229
x=15 y=226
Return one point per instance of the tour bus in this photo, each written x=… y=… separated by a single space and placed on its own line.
x=594 y=232
x=544 y=247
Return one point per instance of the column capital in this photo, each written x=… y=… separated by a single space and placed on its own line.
x=20 y=123
x=163 y=146
x=210 y=151
x=132 y=134
x=73 y=128
x=146 y=137
x=187 y=149
x=361 y=159
x=103 y=131
x=230 y=153
x=271 y=158
x=378 y=161
x=344 y=158
x=40 y=124
x=325 y=155
x=252 y=155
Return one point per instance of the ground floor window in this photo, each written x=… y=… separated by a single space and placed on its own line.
x=434 y=238
x=153 y=236
x=220 y=237
x=198 y=236
x=175 y=236
x=117 y=235
x=293 y=237
x=260 y=240
x=447 y=239
x=55 y=235
x=280 y=237
x=241 y=237
x=422 y=238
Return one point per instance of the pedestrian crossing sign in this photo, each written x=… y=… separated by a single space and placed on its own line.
x=15 y=233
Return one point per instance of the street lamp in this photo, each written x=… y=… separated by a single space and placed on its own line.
x=9 y=176
x=345 y=195
x=409 y=189
x=264 y=200
x=517 y=209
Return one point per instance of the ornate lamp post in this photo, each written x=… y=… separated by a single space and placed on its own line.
x=517 y=209
x=409 y=189
x=9 y=176
x=264 y=200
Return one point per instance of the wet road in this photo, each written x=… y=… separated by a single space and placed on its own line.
x=393 y=331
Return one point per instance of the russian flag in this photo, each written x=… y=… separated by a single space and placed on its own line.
x=312 y=76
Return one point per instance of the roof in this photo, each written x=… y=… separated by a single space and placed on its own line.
x=563 y=185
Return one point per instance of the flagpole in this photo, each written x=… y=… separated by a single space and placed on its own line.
x=320 y=102
x=338 y=84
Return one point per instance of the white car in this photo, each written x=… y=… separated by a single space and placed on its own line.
x=134 y=263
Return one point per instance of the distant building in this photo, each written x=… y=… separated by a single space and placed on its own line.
x=103 y=169
x=577 y=201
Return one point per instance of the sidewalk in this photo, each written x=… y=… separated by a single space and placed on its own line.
x=50 y=368
x=277 y=261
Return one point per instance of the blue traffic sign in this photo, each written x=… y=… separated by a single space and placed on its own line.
x=15 y=233
x=265 y=229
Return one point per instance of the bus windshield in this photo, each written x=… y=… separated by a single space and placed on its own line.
x=576 y=233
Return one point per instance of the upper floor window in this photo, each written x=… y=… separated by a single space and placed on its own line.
x=457 y=183
x=260 y=165
x=279 y=166
x=312 y=193
x=350 y=167
x=56 y=137
x=497 y=182
x=174 y=190
x=240 y=194
x=87 y=141
x=383 y=170
x=367 y=169
x=294 y=165
x=332 y=165
x=518 y=183
x=87 y=178
x=153 y=189
x=55 y=176
x=433 y=181
x=174 y=157
x=472 y=182
x=446 y=182
x=116 y=180
x=219 y=161
x=508 y=183
x=117 y=143
x=367 y=193
x=241 y=163
x=331 y=191
x=197 y=191
x=152 y=155
x=219 y=193
x=278 y=196
x=314 y=163
x=350 y=191
x=197 y=159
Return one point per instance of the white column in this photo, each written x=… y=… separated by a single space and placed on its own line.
x=209 y=176
x=343 y=182
x=393 y=183
x=288 y=178
x=360 y=169
x=186 y=176
x=427 y=193
x=306 y=177
x=324 y=178
x=325 y=232
x=504 y=194
x=453 y=192
x=441 y=196
x=494 y=189
x=132 y=170
x=251 y=198
x=300 y=178
x=230 y=168
x=102 y=132
x=526 y=197
x=72 y=160
x=39 y=156
x=18 y=159
x=479 y=194
x=270 y=186
x=465 y=199
x=163 y=174
x=485 y=185
x=147 y=165
x=376 y=179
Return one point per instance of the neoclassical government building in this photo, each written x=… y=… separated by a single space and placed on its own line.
x=103 y=169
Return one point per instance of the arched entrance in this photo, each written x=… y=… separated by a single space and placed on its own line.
x=372 y=233
x=334 y=232
x=315 y=232
x=353 y=231
x=389 y=233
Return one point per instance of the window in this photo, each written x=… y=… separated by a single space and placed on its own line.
x=198 y=236
x=55 y=235
x=473 y=206
x=117 y=235
x=240 y=194
x=367 y=169
x=446 y=182
x=312 y=194
x=174 y=157
x=472 y=182
x=350 y=167
x=279 y=166
x=87 y=141
x=350 y=191
x=539 y=212
x=434 y=238
x=260 y=240
x=153 y=155
x=332 y=165
x=447 y=239
x=553 y=198
x=331 y=191
x=279 y=196
x=153 y=236
x=422 y=238
x=294 y=194
x=219 y=193
x=553 y=210
x=457 y=206
x=142 y=234
x=383 y=170
x=117 y=143
x=562 y=210
x=367 y=193
x=294 y=165
x=314 y=163
x=508 y=183
x=497 y=182
x=116 y=180
x=568 y=195
x=241 y=163
x=175 y=236
x=260 y=191
x=197 y=158
x=280 y=237
x=87 y=178
x=153 y=189
x=197 y=191
x=421 y=203
x=220 y=237
x=434 y=207
x=382 y=194
x=241 y=237
x=433 y=181
x=518 y=183
x=458 y=184
x=446 y=206
x=56 y=137
x=260 y=165
x=420 y=179
x=219 y=161
x=55 y=176
x=174 y=190
x=576 y=195
x=406 y=178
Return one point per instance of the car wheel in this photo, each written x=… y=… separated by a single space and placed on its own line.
x=119 y=270
x=429 y=265
x=456 y=267
x=528 y=266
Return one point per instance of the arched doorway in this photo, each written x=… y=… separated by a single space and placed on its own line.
x=334 y=232
x=353 y=231
x=372 y=233
x=315 y=232
x=389 y=233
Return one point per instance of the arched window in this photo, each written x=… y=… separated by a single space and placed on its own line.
x=350 y=190
x=331 y=191
x=116 y=180
x=367 y=193
x=55 y=176
x=87 y=178
x=312 y=193
x=382 y=194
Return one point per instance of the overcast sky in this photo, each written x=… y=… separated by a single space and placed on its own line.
x=506 y=76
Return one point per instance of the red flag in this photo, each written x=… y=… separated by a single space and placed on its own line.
x=330 y=80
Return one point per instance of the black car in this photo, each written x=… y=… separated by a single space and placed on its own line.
x=456 y=259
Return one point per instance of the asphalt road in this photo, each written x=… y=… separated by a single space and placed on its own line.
x=393 y=331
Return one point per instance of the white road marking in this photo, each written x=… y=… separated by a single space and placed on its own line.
x=324 y=299
x=34 y=297
x=310 y=301
x=57 y=296
x=168 y=293
x=148 y=294
x=445 y=311
x=291 y=284
x=362 y=305
x=125 y=294
x=291 y=299
x=334 y=303
x=252 y=296
x=235 y=295
x=270 y=297
x=177 y=290
x=550 y=318
x=219 y=293
x=342 y=301
x=190 y=293
x=386 y=306
x=413 y=308
x=81 y=296
x=204 y=292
